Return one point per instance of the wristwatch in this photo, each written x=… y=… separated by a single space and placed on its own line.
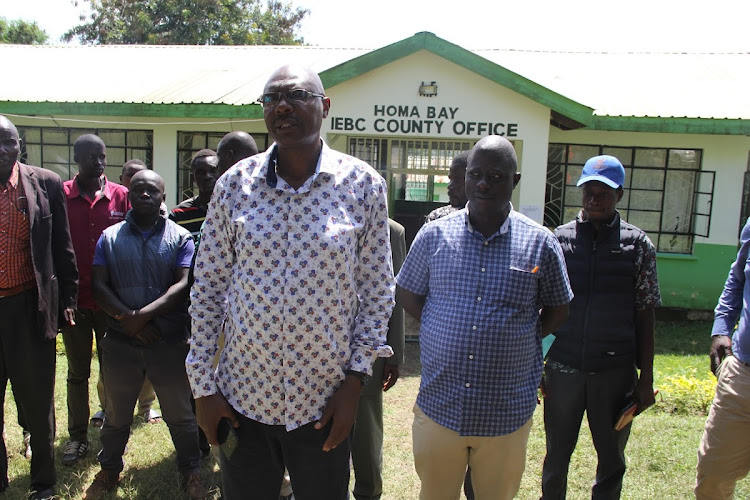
x=363 y=377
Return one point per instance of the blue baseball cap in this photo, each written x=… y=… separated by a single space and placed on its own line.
x=604 y=168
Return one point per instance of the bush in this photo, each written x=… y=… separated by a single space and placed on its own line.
x=686 y=395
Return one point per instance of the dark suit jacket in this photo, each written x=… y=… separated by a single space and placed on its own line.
x=51 y=247
x=396 y=323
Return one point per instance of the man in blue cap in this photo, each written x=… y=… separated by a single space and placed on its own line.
x=593 y=364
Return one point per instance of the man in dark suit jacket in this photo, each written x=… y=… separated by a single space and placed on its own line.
x=367 y=433
x=38 y=288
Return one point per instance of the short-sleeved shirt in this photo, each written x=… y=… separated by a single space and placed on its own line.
x=480 y=336
x=87 y=220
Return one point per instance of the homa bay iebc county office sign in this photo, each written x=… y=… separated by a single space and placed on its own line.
x=428 y=120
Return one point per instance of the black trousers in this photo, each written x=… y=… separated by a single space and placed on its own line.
x=601 y=395
x=256 y=467
x=27 y=359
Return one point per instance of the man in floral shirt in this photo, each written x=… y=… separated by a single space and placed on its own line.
x=592 y=365
x=293 y=239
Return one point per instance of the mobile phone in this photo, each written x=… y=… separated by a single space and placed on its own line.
x=227 y=437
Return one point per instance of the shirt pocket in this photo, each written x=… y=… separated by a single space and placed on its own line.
x=521 y=283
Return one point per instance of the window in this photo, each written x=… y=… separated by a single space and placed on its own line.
x=419 y=168
x=189 y=143
x=52 y=148
x=666 y=193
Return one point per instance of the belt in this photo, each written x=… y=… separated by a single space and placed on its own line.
x=9 y=292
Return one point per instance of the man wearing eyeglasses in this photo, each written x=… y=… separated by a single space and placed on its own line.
x=592 y=363
x=38 y=289
x=294 y=239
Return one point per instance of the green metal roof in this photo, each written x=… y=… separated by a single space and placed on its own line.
x=650 y=92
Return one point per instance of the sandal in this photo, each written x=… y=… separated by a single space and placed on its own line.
x=151 y=416
x=98 y=419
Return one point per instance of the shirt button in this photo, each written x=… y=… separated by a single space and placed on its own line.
x=471 y=356
x=474 y=327
x=468 y=385
x=486 y=243
x=479 y=299
x=483 y=269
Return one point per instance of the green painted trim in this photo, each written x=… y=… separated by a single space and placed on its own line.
x=249 y=111
x=671 y=125
x=461 y=57
x=675 y=256
x=695 y=281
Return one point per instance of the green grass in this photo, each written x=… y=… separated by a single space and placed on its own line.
x=661 y=452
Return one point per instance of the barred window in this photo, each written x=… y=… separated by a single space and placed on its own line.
x=189 y=143
x=665 y=193
x=52 y=148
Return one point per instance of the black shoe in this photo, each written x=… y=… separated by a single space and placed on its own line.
x=45 y=494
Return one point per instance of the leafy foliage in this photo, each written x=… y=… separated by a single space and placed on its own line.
x=22 y=32
x=190 y=22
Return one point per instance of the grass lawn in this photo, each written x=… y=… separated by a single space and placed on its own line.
x=661 y=451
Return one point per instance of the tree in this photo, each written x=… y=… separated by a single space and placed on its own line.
x=23 y=32
x=190 y=22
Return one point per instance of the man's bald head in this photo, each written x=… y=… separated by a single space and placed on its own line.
x=233 y=147
x=307 y=77
x=7 y=125
x=85 y=142
x=498 y=147
x=10 y=148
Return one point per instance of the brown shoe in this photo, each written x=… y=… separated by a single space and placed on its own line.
x=193 y=488
x=103 y=483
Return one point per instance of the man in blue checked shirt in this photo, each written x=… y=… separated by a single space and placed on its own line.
x=487 y=283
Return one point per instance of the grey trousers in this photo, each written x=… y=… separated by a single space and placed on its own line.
x=367 y=438
x=601 y=395
x=124 y=367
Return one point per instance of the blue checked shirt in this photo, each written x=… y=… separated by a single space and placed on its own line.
x=480 y=337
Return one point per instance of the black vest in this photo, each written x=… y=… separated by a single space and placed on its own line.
x=600 y=331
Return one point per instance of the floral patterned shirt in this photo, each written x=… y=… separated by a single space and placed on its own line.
x=282 y=272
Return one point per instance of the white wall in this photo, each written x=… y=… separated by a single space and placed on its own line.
x=465 y=99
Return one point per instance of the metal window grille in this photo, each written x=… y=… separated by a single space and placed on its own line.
x=666 y=193
x=52 y=148
x=189 y=143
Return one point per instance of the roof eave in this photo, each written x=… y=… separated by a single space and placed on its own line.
x=151 y=110
x=671 y=125
x=461 y=57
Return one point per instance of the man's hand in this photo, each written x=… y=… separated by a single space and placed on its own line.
x=70 y=316
x=148 y=334
x=721 y=347
x=643 y=394
x=342 y=408
x=390 y=376
x=209 y=410
x=132 y=322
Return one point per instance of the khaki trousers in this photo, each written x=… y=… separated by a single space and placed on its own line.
x=724 y=453
x=441 y=456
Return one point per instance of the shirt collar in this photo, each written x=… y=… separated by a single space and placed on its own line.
x=504 y=228
x=75 y=192
x=272 y=179
x=14 y=176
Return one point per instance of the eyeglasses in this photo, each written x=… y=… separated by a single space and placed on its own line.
x=294 y=96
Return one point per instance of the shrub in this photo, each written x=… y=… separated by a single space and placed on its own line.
x=686 y=395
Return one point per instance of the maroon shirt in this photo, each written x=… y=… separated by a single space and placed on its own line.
x=87 y=221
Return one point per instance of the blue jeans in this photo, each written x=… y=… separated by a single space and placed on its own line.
x=124 y=367
x=256 y=466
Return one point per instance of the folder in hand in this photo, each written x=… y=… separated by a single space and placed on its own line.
x=627 y=414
